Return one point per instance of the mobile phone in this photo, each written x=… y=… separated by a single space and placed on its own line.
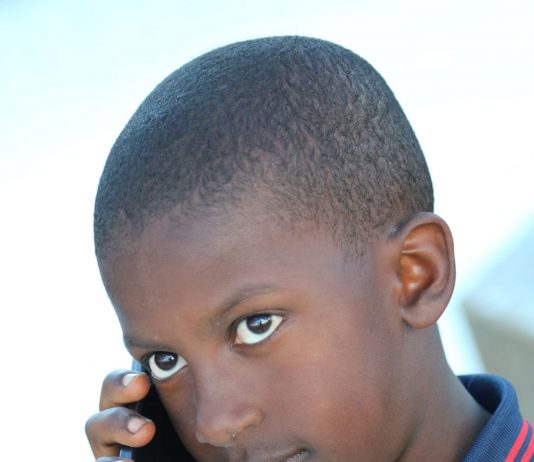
x=166 y=446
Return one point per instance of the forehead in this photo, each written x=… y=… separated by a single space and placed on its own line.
x=180 y=270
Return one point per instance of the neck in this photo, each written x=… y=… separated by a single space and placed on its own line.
x=450 y=422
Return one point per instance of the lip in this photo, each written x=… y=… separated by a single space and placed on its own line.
x=299 y=456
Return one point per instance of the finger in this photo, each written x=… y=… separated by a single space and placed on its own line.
x=123 y=387
x=115 y=427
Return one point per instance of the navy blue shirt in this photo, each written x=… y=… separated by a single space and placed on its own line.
x=507 y=437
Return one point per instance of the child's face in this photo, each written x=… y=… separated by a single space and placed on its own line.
x=287 y=349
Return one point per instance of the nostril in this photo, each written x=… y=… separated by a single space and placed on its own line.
x=222 y=429
x=219 y=439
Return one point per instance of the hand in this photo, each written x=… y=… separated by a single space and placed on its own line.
x=116 y=425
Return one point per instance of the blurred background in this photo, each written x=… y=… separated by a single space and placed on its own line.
x=71 y=75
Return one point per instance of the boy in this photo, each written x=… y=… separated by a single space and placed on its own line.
x=264 y=229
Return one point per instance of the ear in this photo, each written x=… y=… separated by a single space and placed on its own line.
x=426 y=271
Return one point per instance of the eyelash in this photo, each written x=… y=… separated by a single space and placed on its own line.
x=271 y=325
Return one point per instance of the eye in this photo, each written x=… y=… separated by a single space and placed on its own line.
x=163 y=365
x=256 y=328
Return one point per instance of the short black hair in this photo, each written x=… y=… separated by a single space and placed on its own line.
x=303 y=123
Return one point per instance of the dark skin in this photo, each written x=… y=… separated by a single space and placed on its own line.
x=285 y=350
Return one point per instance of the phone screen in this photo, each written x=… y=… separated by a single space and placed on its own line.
x=166 y=446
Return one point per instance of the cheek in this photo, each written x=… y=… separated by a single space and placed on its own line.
x=339 y=385
x=175 y=397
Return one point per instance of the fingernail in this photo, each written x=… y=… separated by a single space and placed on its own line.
x=128 y=378
x=135 y=423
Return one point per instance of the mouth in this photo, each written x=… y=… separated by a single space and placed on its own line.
x=297 y=457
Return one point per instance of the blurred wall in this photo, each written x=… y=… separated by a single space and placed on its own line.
x=500 y=309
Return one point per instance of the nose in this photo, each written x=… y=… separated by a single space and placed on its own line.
x=224 y=410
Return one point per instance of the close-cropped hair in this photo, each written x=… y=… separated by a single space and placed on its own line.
x=298 y=127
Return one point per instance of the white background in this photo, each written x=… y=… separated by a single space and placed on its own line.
x=72 y=73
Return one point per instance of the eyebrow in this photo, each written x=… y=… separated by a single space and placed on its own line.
x=130 y=341
x=242 y=295
x=220 y=312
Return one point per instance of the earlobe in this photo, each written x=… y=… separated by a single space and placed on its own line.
x=426 y=270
